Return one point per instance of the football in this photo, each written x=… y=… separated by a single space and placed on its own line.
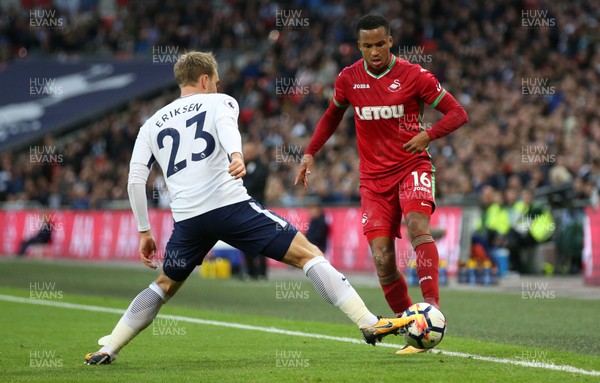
x=427 y=331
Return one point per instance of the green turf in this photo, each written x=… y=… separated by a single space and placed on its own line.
x=41 y=343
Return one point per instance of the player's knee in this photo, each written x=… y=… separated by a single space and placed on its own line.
x=168 y=285
x=299 y=259
x=300 y=252
x=417 y=224
x=384 y=258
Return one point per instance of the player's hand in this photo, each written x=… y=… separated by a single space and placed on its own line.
x=418 y=143
x=237 y=168
x=305 y=167
x=148 y=249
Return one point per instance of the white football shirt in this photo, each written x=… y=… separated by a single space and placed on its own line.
x=191 y=139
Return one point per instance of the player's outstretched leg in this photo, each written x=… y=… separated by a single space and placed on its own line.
x=141 y=312
x=336 y=289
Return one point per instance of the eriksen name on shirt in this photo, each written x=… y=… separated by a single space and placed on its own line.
x=195 y=107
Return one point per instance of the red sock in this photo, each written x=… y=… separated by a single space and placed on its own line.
x=396 y=293
x=428 y=273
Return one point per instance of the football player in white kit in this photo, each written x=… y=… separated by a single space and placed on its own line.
x=196 y=141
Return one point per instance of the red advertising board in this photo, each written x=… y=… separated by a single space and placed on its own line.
x=591 y=247
x=348 y=248
x=112 y=235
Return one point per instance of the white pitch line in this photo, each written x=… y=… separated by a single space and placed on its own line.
x=274 y=330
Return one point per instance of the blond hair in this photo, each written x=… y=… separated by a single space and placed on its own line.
x=191 y=65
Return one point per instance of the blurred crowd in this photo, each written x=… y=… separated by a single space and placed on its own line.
x=526 y=72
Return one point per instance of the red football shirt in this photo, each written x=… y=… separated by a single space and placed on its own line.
x=388 y=110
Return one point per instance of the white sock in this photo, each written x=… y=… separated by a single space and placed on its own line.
x=336 y=289
x=141 y=312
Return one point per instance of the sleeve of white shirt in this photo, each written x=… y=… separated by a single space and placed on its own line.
x=226 y=118
x=139 y=170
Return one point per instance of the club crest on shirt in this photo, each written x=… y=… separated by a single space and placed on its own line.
x=395 y=86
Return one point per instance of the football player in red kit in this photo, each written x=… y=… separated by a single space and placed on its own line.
x=396 y=172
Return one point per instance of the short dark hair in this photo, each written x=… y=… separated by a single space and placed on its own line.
x=372 y=21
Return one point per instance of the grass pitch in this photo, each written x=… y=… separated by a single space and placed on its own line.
x=491 y=337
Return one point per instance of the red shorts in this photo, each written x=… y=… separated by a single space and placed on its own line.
x=383 y=201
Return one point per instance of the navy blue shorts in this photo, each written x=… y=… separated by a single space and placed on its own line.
x=247 y=226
